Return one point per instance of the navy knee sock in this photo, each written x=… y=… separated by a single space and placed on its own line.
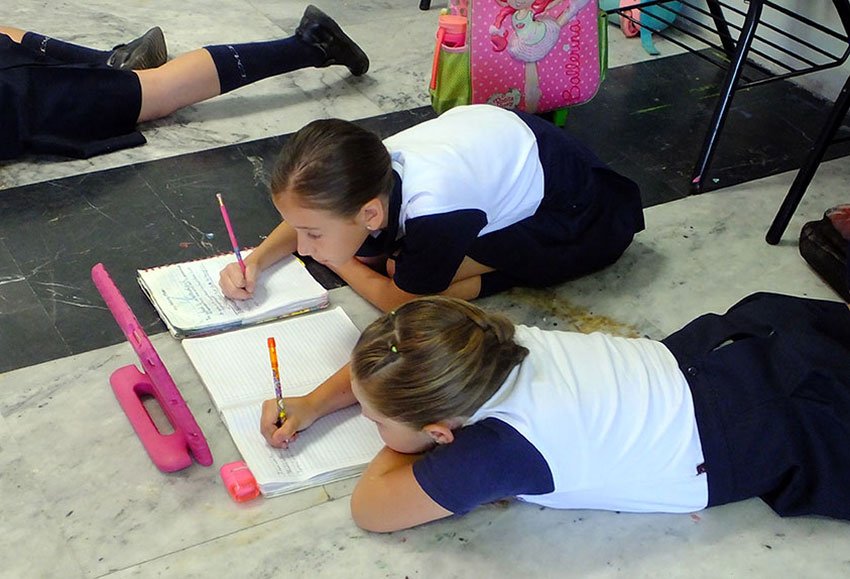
x=64 y=51
x=241 y=64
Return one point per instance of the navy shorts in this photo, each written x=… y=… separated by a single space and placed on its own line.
x=75 y=110
x=771 y=388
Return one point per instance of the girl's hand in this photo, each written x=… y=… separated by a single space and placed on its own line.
x=299 y=415
x=236 y=286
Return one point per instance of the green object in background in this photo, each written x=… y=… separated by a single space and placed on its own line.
x=603 y=46
x=453 y=83
x=560 y=117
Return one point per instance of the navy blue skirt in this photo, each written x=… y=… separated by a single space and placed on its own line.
x=588 y=217
x=771 y=388
x=74 y=110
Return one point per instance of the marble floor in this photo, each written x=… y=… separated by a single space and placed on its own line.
x=79 y=497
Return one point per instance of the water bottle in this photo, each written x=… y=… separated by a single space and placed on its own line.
x=452 y=30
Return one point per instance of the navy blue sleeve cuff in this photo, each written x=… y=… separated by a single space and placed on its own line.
x=487 y=461
x=433 y=248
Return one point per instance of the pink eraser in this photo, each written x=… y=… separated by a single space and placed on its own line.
x=239 y=481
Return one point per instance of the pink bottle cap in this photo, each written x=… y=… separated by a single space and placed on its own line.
x=455 y=29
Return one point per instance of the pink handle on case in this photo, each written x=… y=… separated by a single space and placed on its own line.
x=168 y=452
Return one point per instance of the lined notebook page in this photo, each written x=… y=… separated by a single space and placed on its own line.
x=188 y=296
x=310 y=348
x=236 y=371
x=334 y=447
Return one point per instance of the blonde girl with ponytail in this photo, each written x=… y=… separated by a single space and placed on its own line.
x=472 y=409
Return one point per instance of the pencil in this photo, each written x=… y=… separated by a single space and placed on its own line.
x=278 y=392
x=230 y=232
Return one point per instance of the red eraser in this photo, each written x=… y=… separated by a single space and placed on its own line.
x=239 y=481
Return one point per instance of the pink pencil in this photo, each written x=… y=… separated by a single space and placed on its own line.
x=230 y=233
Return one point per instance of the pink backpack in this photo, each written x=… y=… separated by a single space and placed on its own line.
x=533 y=55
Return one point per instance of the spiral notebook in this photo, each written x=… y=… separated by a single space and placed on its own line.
x=235 y=369
x=189 y=300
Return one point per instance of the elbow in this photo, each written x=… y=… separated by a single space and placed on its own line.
x=367 y=517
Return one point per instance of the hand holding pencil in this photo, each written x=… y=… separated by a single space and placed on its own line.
x=237 y=280
x=300 y=414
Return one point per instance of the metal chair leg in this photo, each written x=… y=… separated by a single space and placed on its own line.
x=810 y=166
x=424 y=4
x=722 y=27
x=727 y=92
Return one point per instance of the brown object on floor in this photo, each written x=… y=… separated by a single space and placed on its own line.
x=825 y=249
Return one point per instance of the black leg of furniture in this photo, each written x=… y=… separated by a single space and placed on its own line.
x=727 y=92
x=809 y=167
x=722 y=27
x=424 y=4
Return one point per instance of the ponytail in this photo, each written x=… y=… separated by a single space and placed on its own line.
x=434 y=358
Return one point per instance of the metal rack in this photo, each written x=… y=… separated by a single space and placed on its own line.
x=749 y=47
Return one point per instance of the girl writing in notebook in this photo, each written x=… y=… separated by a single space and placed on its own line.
x=468 y=204
x=752 y=403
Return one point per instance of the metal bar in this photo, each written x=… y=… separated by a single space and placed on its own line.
x=809 y=167
x=807 y=21
x=726 y=94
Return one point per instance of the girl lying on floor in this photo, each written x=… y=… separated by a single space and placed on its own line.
x=751 y=403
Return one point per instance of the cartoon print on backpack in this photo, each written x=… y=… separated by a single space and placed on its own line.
x=533 y=32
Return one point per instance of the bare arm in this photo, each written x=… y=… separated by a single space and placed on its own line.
x=382 y=292
x=379 y=290
x=388 y=498
x=301 y=411
x=280 y=243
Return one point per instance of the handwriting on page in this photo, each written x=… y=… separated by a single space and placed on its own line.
x=196 y=294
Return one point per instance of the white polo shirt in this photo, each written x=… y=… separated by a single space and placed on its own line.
x=585 y=421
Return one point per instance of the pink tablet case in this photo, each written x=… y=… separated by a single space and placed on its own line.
x=169 y=452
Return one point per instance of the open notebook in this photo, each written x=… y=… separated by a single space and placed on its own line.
x=189 y=300
x=235 y=370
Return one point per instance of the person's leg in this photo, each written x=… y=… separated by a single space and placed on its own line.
x=188 y=79
x=213 y=70
x=147 y=51
x=61 y=50
x=16 y=34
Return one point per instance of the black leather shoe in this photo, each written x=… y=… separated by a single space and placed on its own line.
x=320 y=30
x=147 y=51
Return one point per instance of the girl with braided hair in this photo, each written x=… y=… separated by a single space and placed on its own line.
x=751 y=403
